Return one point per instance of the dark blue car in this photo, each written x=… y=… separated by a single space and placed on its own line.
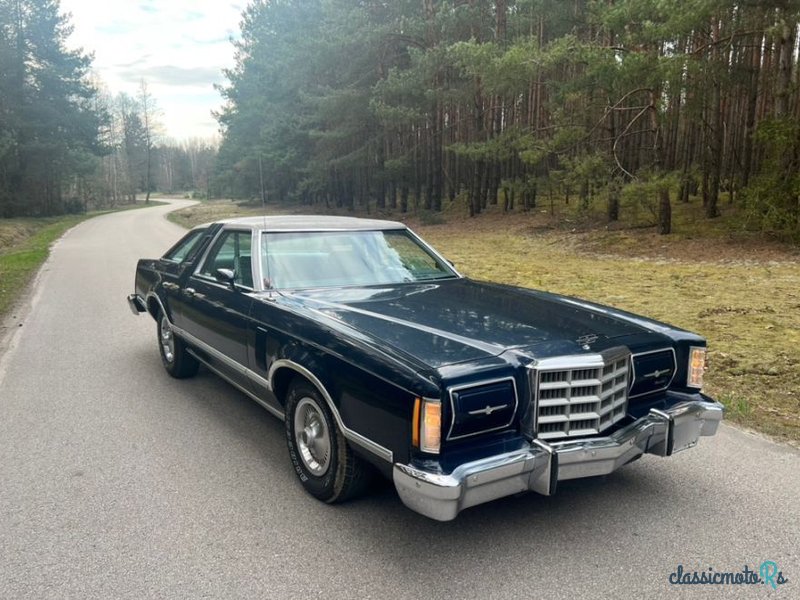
x=379 y=356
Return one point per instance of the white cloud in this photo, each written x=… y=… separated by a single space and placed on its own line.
x=179 y=47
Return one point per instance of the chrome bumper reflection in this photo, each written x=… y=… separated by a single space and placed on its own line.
x=136 y=304
x=540 y=466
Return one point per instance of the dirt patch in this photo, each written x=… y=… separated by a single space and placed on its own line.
x=14 y=232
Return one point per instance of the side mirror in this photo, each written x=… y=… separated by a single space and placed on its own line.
x=226 y=276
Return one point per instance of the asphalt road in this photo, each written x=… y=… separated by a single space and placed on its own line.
x=117 y=481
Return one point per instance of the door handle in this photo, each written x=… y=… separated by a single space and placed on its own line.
x=189 y=291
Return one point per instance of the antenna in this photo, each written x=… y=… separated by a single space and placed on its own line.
x=263 y=194
x=263 y=261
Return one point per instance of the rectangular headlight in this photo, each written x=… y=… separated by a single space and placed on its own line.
x=697 y=366
x=426 y=428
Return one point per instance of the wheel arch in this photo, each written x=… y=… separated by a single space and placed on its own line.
x=154 y=306
x=283 y=371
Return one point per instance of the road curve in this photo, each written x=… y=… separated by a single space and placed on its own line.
x=117 y=481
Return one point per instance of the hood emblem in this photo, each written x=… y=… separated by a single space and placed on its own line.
x=657 y=373
x=587 y=340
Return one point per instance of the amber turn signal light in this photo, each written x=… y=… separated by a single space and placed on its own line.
x=697 y=366
x=426 y=425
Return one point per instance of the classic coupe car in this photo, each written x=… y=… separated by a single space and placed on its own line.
x=379 y=356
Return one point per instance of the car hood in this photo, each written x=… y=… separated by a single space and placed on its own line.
x=462 y=320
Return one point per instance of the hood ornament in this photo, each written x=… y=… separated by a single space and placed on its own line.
x=587 y=340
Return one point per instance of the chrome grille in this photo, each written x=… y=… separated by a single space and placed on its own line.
x=581 y=399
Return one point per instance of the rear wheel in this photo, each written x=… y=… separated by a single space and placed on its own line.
x=324 y=463
x=176 y=360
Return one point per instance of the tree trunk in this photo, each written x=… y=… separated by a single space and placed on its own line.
x=715 y=158
x=613 y=202
x=664 y=206
x=752 y=104
x=664 y=211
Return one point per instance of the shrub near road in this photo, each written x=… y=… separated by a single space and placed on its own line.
x=747 y=308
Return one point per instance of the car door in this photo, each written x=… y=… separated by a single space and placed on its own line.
x=215 y=313
x=173 y=266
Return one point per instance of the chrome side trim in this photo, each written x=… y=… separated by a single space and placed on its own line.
x=245 y=391
x=160 y=304
x=239 y=368
x=232 y=364
x=348 y=433
x=256 y=378
x=457 y=388
x=633 y=371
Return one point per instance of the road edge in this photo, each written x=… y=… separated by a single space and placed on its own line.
x=12 y=323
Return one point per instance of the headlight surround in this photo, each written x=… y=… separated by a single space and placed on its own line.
x=696 y=367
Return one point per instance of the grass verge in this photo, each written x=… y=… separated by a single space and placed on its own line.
x=25 y=245
x=742 y=294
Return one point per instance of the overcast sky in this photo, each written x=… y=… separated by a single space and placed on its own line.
x=178 y=46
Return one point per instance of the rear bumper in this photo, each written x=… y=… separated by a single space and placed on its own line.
x=541 y=466
x=136 y=304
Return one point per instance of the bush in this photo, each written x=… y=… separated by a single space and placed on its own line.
x=772 y=199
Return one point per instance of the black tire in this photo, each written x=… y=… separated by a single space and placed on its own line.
x=176 y=360
x=334 y=474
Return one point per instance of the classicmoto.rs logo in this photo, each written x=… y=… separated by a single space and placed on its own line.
x=767 y=574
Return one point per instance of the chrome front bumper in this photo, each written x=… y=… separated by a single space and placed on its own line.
x=541 y=466
x=136 y=304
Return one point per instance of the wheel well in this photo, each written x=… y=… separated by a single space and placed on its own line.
x=153 y=307
x=282 y=380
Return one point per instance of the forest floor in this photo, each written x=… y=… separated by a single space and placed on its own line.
x=739 y=290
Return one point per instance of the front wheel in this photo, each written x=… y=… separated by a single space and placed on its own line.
x=326 y=466
x=176 y=360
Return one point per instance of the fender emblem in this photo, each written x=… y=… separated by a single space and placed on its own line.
x=488 y=410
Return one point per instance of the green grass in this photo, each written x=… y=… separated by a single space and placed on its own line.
x=25 y=245
x=212 y=210
x=739 y=291
x=28 y=245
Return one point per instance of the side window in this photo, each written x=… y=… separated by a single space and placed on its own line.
x=180 y=251
x=232 y=250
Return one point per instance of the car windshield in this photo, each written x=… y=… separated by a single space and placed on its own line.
x=312 y=259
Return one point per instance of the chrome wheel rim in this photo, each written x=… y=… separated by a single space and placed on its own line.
x=312 y=436
x=167 y=340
